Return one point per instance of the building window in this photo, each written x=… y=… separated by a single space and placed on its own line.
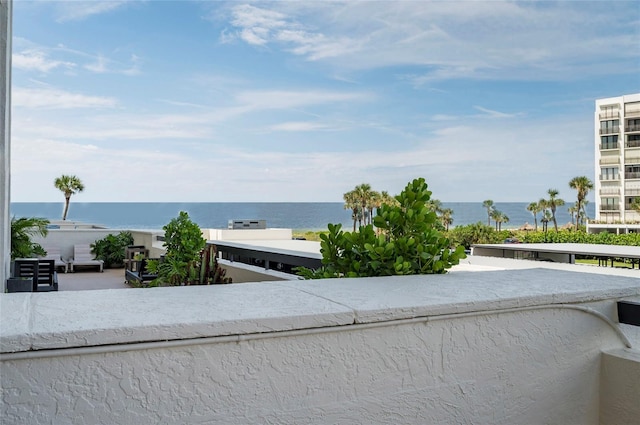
x=609 y=142
x=632 y=172
x=610 y=126
x=609 y=204
x=633 y=140
x=609 y=173
x=633 y=125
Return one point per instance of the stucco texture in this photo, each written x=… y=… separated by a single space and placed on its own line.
x=526 y=367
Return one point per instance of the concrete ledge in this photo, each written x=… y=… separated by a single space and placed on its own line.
x=34 y=321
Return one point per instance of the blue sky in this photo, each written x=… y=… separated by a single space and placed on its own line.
x=301 y=101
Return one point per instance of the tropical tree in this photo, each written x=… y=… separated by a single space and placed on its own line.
x=22 y=230
x=534 y=208
x=573 y=211
x=552 y=204
x=446 y=217
x=488 y=205
x=386 y=199
x=69 y=185
x=499 y=217
x=582 y=185
x=351 y=203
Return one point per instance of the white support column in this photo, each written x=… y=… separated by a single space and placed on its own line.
x=5 y=139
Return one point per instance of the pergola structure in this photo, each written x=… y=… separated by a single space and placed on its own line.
x=5 y=139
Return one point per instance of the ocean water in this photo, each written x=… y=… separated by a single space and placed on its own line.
x=295 y=215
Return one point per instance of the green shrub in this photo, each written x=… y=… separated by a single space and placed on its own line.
x=111 y=248
x=187 y=260
x=408 y=242
x=22 y=230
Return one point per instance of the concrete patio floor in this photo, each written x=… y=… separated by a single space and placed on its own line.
x=82 y=280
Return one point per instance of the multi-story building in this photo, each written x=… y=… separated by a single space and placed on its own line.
x=617 y=163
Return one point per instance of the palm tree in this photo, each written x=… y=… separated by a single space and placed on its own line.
x=22 y=229
x=447 y=218
x=583 y=185
x=503 y=219
x=488 y=204
x=363 y=195
x=573 y=210
x=495 y=215
x=534 y=208
x=351 y=203
x=386 y=199
x=552 y=204
x=69 y=185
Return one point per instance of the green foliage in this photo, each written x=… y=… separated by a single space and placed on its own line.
x=408 y=242
x=111 y=248
x=565 y=236
x=477 y=233
x=22 y=230
x=188 y=260
x=183 y=239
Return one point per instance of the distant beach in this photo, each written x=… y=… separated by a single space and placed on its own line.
x=294 y=215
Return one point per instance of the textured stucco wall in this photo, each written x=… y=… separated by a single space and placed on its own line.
x=531 y=367
x=498 y=347
x=620 y=387
x=5 y=139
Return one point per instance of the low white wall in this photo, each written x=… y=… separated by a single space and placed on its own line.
x=497 y=347
x=620 y=387
x=65 y=239
x=247 y=234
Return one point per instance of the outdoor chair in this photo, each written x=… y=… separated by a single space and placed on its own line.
x=43 y=273
x=53 y=253
x=137 y=272
x=82 y=256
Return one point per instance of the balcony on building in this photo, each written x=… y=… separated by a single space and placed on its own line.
x=610 y=159
x=609 y=146
x=610 y=130
x=610 y=191
x=609 y=114
x=632 y=128
x=609 y=207
x=606 y=177
x=633 y=143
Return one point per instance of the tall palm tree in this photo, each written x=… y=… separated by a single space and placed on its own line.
x=552 y=204
x=69 y=185
x=573 y=211
x=496 y=215
x=363 y=194
x=386 y=199
x=352 y=203
x=488 y=204
x=534 y=208
x=583 y=185
x=446 y=217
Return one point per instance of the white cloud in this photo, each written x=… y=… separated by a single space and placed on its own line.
x=299 y=126
x=103 y=65
x=38 y=61
x=450 y=40
x=51 y=98
x=79 y=10
x=283 y=99
x=496 y=114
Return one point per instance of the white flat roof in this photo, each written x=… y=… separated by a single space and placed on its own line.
x=623 y=251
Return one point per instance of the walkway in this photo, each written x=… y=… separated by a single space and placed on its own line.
x=90 y=279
